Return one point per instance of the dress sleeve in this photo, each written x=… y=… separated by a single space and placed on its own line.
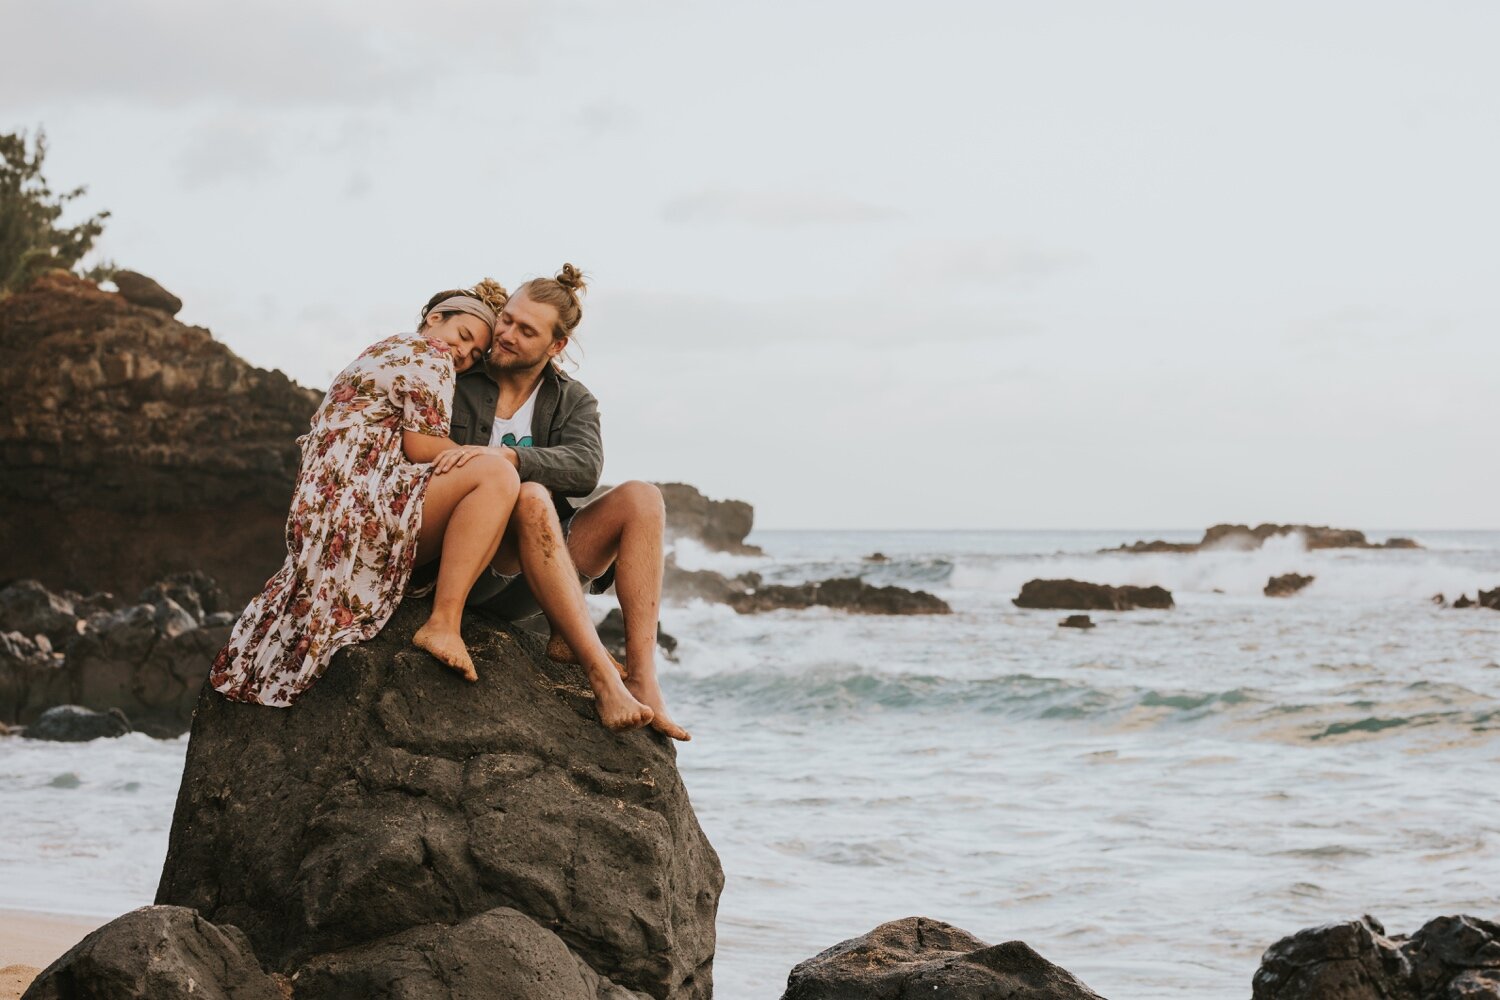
x=424 y=390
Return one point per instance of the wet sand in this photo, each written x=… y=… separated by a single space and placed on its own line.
x=29 y=942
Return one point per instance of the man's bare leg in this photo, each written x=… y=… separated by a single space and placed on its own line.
x=534 y=545
x=625 y=526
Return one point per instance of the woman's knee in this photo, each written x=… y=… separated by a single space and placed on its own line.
x=493 y=472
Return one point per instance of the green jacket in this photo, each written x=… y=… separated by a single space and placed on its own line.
x=568 y=454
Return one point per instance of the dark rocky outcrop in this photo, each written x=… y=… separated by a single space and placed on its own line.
x=75 y=724
x=748 y=593
x=1075 y=595
x=135 y=446
x=612 y=634
x=160 y=952
x=1490 y=599
x=1076 y=621
x=1465 y=601
x=1450 y=958
x=146 y=659
x=919 y=957
x=1241 y=537
x=842 y=594
x=1286 y=585
x=500 y=953
x=140 y=290
x=717 y=524
x=395 y=801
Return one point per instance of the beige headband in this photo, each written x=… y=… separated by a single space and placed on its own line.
x=467 y=304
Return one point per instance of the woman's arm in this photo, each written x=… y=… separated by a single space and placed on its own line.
x=424 y=447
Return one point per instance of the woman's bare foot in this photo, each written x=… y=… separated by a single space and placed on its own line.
x=618 y=709
x=649 y=694
x=558 y=651
x=448 y=646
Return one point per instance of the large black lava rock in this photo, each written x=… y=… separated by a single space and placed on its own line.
x=160 y=952
x=919 y=957
x=397 y=799
x=1450 y=958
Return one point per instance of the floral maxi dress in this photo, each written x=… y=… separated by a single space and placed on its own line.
x=351 y=535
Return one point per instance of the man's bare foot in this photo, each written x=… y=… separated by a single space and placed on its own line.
x=558 y=651
x=649 y=694
x=448 y=646
x=618 y=709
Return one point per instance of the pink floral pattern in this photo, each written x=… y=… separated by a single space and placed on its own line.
x=351 y=536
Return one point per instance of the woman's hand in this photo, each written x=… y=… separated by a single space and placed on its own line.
x=453 y=458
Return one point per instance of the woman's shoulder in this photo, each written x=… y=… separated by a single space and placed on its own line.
x=406 y=349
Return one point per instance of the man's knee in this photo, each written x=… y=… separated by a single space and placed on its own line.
x=643 y=500
x=534 y=503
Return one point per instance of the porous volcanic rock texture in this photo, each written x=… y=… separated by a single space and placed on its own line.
x=135 y=446
x=396 y=798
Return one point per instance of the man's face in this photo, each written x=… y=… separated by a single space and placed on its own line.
x=523 y=337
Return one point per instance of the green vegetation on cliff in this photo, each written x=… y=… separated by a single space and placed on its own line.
x=30 y=238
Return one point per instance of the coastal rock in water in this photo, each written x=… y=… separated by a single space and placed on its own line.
x=1464 y=601
x=1490 y=599
x=843 y=594
x=143 y=291
x=1075 y=595
x=877 y=557
x=185 y=461
x=148 y=660
x=31 y=609
x=160 y=952
x=76 y=724
x=717 y=524
x=1449 y=958
x=499 y=953
x=1076 y=621
x=395 y=796
x=1286 y=585
x=1241 y=537
x=612 y=634
x=919 y=957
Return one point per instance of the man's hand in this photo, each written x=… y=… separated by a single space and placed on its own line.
x=453 y=458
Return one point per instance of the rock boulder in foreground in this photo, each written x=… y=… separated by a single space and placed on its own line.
x=1075 y=595
x=919 y=957
x=160 y=952
x=1286 y=585
x=398 y=814
x=1450 y=958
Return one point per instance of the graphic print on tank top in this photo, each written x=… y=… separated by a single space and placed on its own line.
x=516 y=431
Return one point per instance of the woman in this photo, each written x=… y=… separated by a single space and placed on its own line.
x=368 y=504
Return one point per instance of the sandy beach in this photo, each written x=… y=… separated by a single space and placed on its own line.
x=29 y=942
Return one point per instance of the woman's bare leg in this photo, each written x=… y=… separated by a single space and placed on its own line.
x=464 y=515
x=543 y=557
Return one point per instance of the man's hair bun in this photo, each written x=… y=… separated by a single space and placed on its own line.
x=572 y=279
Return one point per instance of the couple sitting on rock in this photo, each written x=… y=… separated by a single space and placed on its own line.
x=456 y=448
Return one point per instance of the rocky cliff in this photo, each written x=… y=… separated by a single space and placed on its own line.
x=135 y=446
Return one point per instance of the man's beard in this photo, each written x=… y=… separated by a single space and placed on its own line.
x=501 y=363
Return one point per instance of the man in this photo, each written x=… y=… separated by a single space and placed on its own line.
x=547 y=425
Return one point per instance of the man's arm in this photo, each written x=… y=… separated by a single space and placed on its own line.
x=573 y=466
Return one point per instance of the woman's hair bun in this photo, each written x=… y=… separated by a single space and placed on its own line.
x=492 y=293
x=572 y=279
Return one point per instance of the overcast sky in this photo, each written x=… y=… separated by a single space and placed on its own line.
x=983 y=265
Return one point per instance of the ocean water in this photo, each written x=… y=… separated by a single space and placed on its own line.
x=1149 y=803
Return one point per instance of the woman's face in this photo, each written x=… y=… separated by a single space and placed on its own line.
x=468 y=338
